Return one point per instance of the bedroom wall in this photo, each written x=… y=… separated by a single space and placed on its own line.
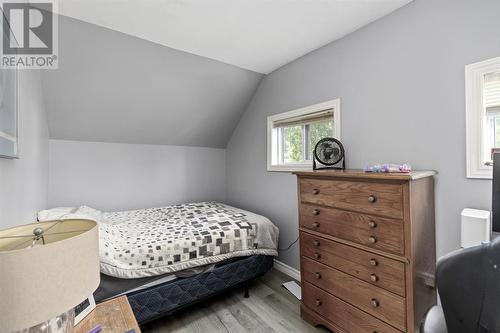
x=113 y=176
x=113 y=87
x=23 y=181
x=401 y=84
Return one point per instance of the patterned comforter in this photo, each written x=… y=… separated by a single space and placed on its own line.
x=155 y=241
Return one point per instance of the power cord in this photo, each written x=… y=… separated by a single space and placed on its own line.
x=289 y=246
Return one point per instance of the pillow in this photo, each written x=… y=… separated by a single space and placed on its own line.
x=55 y=213
x=85 y=212
x=64 y=213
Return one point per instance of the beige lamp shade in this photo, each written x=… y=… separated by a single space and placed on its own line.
x=42 y=277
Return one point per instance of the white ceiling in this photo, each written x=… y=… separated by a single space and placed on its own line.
x=259 y=35
x=111 y=87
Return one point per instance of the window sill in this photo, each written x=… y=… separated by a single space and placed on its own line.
x=480 y=176
x=289 y=168
x=481 y=173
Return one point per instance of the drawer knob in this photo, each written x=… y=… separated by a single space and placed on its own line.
x=373 y=262
x=372 y=199
x=375 y=303
x=316 y=212
x=372 y=224
x=315 y=225
x=372 y=240
x=374 y=278
x=316 y=242
x=317 y=255
x=317 y=275
x=315 y=191
x=318 y=302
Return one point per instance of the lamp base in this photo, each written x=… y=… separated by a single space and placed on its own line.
x=63 y=323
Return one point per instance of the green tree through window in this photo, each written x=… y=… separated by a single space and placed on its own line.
x=294 y=146
x=292 y=137
x=318 y=131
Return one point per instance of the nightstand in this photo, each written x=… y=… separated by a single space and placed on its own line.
x=115 y=316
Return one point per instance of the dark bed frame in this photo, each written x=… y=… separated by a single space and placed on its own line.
x=166 y=298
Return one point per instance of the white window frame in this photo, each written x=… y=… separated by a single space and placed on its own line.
x=332 y=104
x=474 y=116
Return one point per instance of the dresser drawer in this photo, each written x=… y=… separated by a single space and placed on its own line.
x=374 y=300
x=375 y=198
x=341 y=313
x=377 y=232
x=374 y=269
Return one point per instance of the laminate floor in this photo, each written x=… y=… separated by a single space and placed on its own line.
x=269 y=309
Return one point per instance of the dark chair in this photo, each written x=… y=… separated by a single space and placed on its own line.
x=468 y=283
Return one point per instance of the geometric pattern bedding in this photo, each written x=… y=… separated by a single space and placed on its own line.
x=155 y=241
x=164 y=299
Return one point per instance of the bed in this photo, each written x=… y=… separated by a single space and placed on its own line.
x=167 y=258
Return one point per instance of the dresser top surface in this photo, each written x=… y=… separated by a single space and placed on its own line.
x=360 y=174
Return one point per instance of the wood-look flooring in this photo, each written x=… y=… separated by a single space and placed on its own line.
x=269 y=309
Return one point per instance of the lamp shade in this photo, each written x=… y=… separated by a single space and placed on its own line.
x=46 y=275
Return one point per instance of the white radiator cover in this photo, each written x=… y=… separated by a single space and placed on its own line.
x=476 y=227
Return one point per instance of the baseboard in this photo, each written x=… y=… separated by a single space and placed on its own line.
x=288 y=270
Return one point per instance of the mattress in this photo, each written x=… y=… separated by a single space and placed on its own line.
x=157 y=241
x=111 y=287
x=164 y=299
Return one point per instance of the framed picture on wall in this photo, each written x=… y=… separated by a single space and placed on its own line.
x=8 y=113
x=9 y=82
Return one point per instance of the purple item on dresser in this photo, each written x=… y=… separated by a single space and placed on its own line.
x=96 y=329
x=389 y=168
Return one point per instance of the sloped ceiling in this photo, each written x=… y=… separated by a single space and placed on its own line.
x=173 y=72
x=112 y=87
x=260 y=35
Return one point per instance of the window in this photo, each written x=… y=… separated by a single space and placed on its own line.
x=482 y=116
x=292 y=136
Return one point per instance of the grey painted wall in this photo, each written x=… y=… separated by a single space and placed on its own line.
x=112 y=87
x=23 y=182
x=401 y=84
x=112 y=176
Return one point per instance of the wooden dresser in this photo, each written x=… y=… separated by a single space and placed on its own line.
x=367 y=245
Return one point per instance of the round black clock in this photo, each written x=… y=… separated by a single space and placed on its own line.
x=329 y=152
